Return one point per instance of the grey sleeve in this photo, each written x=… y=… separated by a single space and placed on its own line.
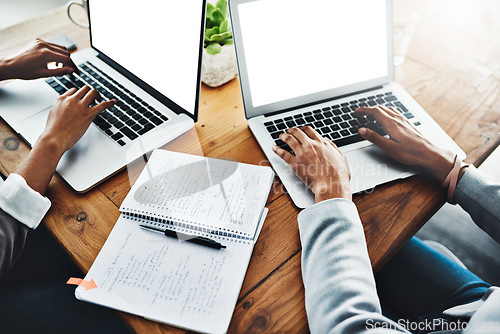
x=340 y=292
x=12 y=239
x=481 y=199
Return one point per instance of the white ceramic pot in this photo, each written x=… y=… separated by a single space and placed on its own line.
x=219 y=69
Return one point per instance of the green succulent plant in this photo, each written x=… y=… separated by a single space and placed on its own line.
x=217 y=28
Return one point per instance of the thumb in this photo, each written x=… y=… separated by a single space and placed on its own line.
x=384 y=143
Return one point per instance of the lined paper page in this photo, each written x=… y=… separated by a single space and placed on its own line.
x=211 y=193
x=148 y=274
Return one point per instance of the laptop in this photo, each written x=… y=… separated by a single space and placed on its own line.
x=146 y=59
x=313 y=63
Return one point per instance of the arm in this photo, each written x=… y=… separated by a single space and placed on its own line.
x=22 y=204
x=340 y=289
x=21 y=196
x=479 y=197
x=339 y=286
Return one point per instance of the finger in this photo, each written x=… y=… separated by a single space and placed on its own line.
x=387 y=145
x=95 y=110
x=82 y=92
x=299 y=134
x=378 y=113
x=57 y=48
x=90 y=97
x=286 y=156
x=291 y=141
x=69 y=92
x=391 y=111
x=311 y=133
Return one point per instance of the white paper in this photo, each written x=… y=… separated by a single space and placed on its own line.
x=179 y=283
x=209 y=193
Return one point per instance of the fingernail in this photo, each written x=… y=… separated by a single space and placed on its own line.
x=362 y=131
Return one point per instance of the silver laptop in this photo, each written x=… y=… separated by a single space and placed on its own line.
x=145 y=58
x=312 y=63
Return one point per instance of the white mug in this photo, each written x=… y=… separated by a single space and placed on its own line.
x=81 y=3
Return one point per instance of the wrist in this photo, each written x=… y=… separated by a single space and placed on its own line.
x=438 y=162
x=335 y=189
x=51 y=144
x=6 y=69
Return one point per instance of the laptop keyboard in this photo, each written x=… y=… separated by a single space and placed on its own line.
x=124 y=122
x=337 y=122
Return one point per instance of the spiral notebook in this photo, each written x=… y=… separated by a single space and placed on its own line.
x=173 y=281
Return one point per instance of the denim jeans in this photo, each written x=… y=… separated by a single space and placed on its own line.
x=419 y=283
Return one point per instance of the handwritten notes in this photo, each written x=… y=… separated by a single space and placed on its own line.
x=173 y=281
x=146 y=273
x=212 y=193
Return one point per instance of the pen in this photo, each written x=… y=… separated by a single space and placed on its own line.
x=189 y=238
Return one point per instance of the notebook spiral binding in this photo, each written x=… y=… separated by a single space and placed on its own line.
x=185 y=226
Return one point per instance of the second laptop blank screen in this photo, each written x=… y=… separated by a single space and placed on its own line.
x=295 y=48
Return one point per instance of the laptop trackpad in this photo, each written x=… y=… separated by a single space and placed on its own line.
x=35 y=124
x=370 y=166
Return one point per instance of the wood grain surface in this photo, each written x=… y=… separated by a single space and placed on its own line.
x=452 y=69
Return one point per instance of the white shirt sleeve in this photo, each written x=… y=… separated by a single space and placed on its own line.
x=21 y=202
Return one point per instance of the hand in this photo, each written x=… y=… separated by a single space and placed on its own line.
x=71 y=116
x=317 y=162
x=406 y=143
x=68 y=120
x=32 y=64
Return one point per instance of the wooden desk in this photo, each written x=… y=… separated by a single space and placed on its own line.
x=453 y=71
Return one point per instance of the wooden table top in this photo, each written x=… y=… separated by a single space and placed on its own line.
x=452 y=69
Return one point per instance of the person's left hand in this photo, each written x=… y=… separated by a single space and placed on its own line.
x=317 y=162
x=32 y=64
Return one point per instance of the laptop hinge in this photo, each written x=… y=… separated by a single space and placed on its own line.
x=322 y=101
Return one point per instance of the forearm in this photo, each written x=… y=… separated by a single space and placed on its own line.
x=339 y=285
x=41 y=163
x=481 y=199
x=6 y=69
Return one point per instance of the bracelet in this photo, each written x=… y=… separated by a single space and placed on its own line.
x=451 y=179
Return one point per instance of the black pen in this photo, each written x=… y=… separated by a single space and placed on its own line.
x=189 y=238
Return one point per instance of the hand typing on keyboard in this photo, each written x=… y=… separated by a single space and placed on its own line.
x=130 y=118
x=68 y=120
x=72 y=114
x=32 y=64
x=317 y=162
x=405 y=143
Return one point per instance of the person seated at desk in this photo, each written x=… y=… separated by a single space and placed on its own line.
x=22 y=204
x=49 y=308
x=419 y=286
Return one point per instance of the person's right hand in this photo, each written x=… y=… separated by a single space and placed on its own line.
x=317 y=162
x=405 y=143
x=71 y=116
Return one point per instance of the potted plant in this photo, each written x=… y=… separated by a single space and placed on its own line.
x=219 y=58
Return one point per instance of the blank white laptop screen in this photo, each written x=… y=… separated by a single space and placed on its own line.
x=156 y=40
x=336 y=43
